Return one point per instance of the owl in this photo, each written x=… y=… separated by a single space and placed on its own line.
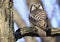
x=38 y=16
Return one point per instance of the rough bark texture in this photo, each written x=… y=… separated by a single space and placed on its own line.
x=6 y=22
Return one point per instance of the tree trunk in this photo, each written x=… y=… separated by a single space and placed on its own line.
x=6 y=23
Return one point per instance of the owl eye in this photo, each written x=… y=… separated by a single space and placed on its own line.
x=40 y=7
x=33 y=8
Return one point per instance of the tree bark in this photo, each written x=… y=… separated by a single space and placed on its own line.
x=6 y=23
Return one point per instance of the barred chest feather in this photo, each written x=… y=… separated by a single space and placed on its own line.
x=39 y=18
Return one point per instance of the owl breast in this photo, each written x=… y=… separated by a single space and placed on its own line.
x=39 y=16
